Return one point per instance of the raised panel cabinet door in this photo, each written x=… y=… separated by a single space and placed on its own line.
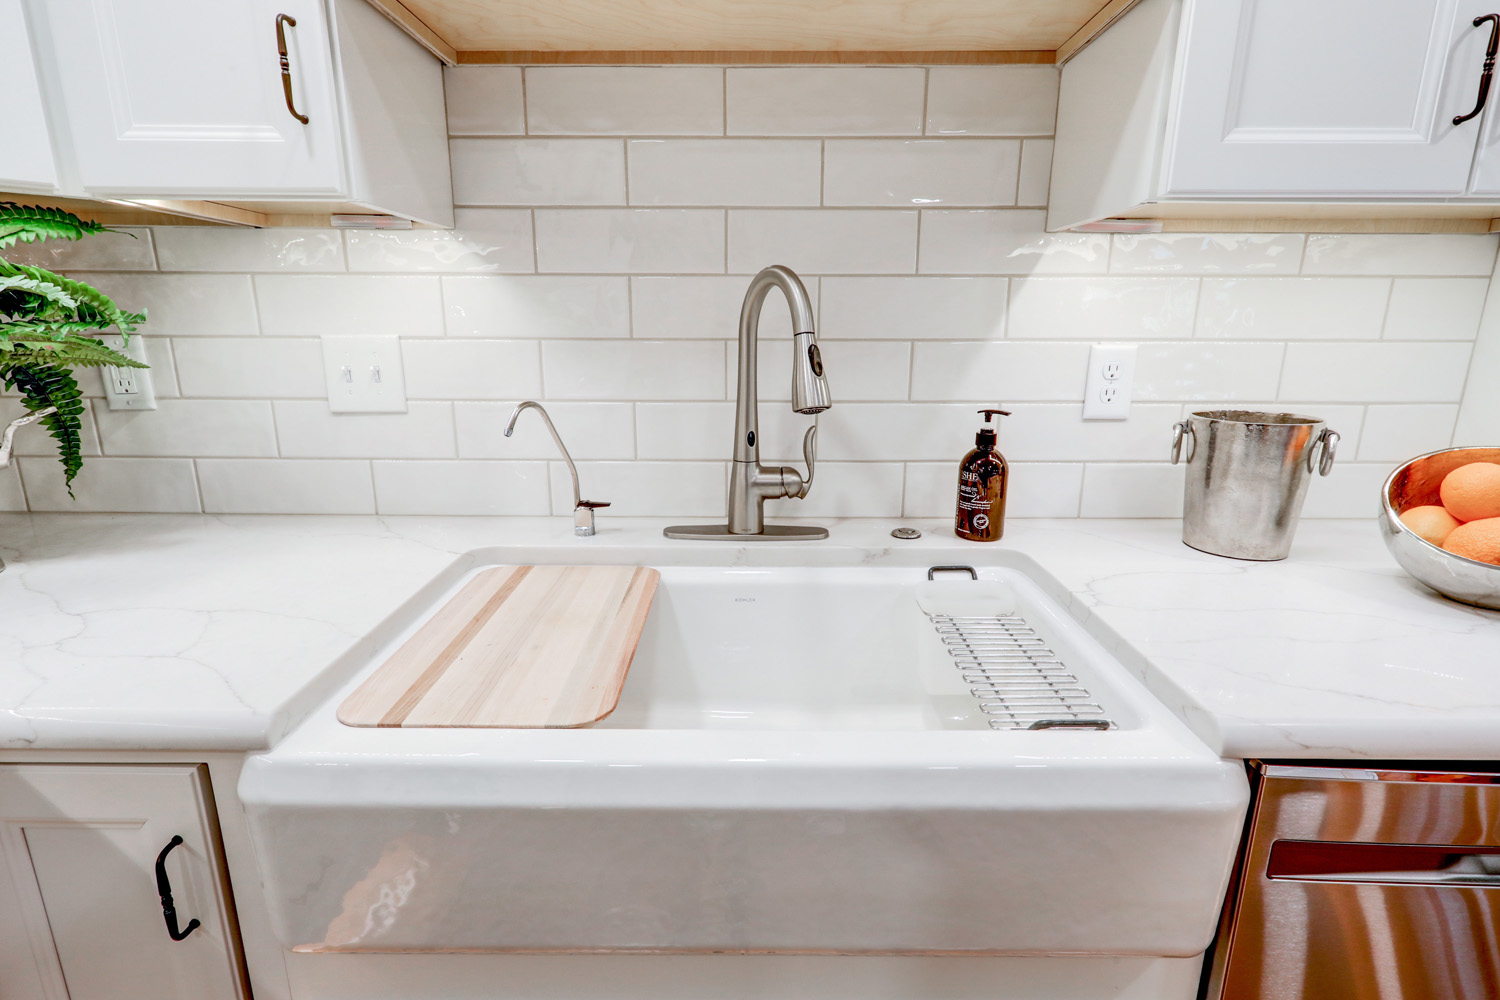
x=185 y=98
x=80 y=918
x=26 y=162
x=1324 y=99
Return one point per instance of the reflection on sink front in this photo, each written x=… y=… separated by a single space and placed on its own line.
x=831 y=759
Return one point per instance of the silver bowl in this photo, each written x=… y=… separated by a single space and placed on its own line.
x=1414 y=485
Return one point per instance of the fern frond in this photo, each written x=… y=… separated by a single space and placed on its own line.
x=92 y=304
x=72 y=351
x=47 y=328
x=32 y=223
x=20 y=283
x=43 y=385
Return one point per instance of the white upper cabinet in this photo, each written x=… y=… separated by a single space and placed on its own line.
x=1280 y=104
x=26 y=162
x=1325 y=97
x=184 y=97
x=282 y=101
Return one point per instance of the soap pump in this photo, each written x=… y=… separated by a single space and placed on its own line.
x=982 y=481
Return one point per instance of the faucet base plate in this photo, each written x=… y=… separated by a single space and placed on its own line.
x=771 y=533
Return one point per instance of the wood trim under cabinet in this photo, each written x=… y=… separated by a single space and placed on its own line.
x=618 y=57
x=1093 y=28
x=413 y=25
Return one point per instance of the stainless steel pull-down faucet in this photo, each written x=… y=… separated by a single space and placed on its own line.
x=750 y=483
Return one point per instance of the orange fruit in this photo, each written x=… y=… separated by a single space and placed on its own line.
x=1431 y=523
x=1479 y=540
x=1472 y=492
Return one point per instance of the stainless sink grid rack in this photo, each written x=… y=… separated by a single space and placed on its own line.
x=1017 y=679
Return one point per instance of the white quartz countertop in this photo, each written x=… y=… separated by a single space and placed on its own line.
x=185 y=632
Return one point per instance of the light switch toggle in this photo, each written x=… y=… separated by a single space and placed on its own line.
x=364 y=374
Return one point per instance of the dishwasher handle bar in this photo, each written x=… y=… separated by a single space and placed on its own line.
x=1403 y=864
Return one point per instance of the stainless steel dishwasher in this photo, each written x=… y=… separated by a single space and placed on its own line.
x=1365 y=883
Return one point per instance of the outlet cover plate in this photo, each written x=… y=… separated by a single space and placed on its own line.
x=364 y=374
x=128 y=388
x=1106 y=391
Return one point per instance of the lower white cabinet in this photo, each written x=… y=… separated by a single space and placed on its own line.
x=80 y=914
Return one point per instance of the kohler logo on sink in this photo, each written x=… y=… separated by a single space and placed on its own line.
x=744 y=600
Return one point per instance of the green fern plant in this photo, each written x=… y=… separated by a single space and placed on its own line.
x=47 y=327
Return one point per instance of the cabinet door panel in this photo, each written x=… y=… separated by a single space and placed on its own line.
x=184 y=97
x=26 y=162
x=1324 y=98
x=79 y=845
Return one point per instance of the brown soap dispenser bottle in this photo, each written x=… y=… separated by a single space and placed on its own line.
x=982 y=480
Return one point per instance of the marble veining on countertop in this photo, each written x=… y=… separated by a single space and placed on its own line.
x=192 y=632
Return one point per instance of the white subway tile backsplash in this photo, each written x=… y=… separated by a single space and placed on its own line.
x=1196 y=253
x=856 y=370
x=483 y=240
x=913 y=308
x=633 y=369
x=178 y=305
x=916 y=173
x=645 y=489
x=1033 y=489
x=699 y=308
x=189 y=427
x=815 y=241
x=998 y=372
x=1349 y=490
x=306 y=429
x=471 y=369
x=1389 y=372
x=1139 y=489
x=250 y=367
x=590 y=430
x=461 y=488
x=1435 y=308
x=1051 y=432
x=1036 y=172
x=1395 y=433
x=991 y=100
x=1198 y=370
x=537 y=306
x=127 y=248
x=1426 y=254
x=36 y=441
x=306 y=305
x=630 y=240
x=1090 y=309
x=538 y=171
x=12 y=495
x=899 y=432
x=628 y=100
x=220 y=248
x=824 y=101
x=732 y=172
x=285 y=486
x=847 y=489
x=689 y=430
x=1293 y=308
x=484 y=100
x=127 y=485
x=956 y=241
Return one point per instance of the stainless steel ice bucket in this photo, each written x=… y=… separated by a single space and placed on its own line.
x=1247 y=473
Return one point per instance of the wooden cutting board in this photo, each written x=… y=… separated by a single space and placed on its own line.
x=518 y=647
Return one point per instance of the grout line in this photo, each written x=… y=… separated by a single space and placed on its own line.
x=1385 y=313
x=525 y=104
x=926 y=92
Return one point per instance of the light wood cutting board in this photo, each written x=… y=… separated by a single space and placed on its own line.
x=518 y=647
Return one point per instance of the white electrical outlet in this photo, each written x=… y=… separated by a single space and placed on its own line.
x=128 y=388
x=1106 y=391
x=364 y=374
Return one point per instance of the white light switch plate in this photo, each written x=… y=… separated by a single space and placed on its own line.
x=128 y=388
x=364 y=374
x=1106 y=392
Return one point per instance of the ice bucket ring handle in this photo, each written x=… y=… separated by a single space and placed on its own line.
x=1324 y=447
x=1184 y=430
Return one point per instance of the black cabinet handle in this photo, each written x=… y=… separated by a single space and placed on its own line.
x=286 y=66
x=164 y=889
x=1489 y=65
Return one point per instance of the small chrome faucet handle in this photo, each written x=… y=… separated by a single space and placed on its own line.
x=583 y=510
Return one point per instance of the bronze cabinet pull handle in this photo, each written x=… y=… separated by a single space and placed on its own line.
x=282 y=20
x=1489 y=65
x=164 y=890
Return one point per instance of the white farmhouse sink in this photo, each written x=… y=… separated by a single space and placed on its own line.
x=797 y=764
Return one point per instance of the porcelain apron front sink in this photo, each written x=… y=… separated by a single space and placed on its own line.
x=799 y=762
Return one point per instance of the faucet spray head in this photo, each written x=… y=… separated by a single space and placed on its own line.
x=809 y=388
